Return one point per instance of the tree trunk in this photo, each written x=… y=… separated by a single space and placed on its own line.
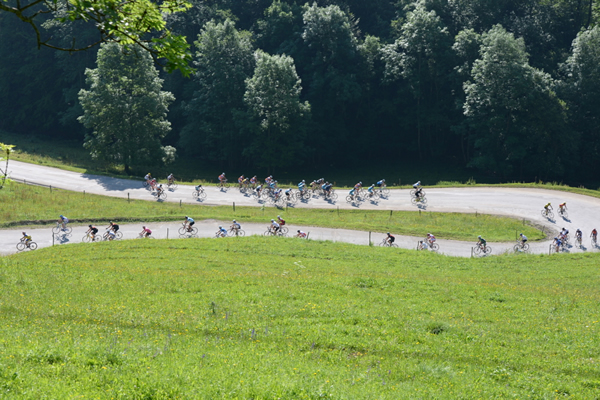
x=127 y=169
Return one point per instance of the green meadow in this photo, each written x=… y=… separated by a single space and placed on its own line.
x=21 y=203
x=270 y=318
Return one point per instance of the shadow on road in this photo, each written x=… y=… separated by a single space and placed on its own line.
x=109 y=183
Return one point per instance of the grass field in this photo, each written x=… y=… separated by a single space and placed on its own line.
x=20 y=202
x=264 y=318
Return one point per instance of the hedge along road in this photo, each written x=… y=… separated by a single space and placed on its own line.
x=521 y=203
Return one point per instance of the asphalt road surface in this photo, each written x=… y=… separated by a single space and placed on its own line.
x=519 y=203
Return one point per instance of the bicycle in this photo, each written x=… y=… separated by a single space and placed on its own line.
x=425 y=245
x=172 y=185
x=22 y=245
x=418 y=200
x=236 y=232
x=162 y=195
x=386 y=243
x=143 y=236
x=563 y=213
x=223 y=184
x=199 y=194
x=107 y=235
x=89 y=238
x=331 y=196
x=271 y=232
x=353 y=198
x=479 y=248
x=384 y=191
x=521 y=247
x=594 y=241
x=412 y=192
x=58 y=229
x=184 y=230
x=578 y=242
x=547 y=213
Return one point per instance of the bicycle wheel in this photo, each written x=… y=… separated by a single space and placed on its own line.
x=413 y=200
x=20 y=246
x=594 y=242
x=434 y=246
x=383 y=243
x=268 y=233
x=517 y=248
x=33 y=245
x=385 y=192
x=145 y=184
x=119 y=235
x=163 y=196
x=488 y=250
x=525 y=246
x=182 y=230
x=477 y=249
x=56 y=229
x=86 y=239
x=564 y=214
x=284 y=230
x=172 y=186
x=333 y=197
x=349 y=199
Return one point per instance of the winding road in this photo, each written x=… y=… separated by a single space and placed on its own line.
x=521 y=203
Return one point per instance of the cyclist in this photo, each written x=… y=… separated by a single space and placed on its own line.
x=111 y=234
x=189 y=222
x=381 y=184
x=222 y=232
x=320 y=181
x=430 y=238
x=523 y=239
x=417 y=185
x=269 y=179
x=199 y=189
x=241 y=180
x=557 y=243
x=276 y=193
x=258 y=189
x=236 y=226
x=146 y=232
x=275 y=226
x=26 y=238
x=63 y=221
x=327 y=188
x=419 y=193
x=390 y=239
x=358 y=186
x=148 y=177
x=578 y=235
x=563 y=234
x=152 y=183
x=170 y=179
x=288 y=194
x=548 y=208
x=370 y=190
x=353 y=194
x=562 y=207
x=222 y=179
x=482 y=242
x=253 y=181
x=302 y=186
x=301 y=234
x=113 y=227
x=280 y=220
x=159 y=190
x=594 y=234
x=92 y=231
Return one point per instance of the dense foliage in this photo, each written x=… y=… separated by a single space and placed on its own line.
x=508 y=88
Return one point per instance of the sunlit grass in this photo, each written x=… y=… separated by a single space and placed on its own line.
x=266 y=319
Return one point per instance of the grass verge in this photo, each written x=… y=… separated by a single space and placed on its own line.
x=19 y=203
x=265 y=318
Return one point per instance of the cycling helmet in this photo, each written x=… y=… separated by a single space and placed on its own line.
x=62 y=216
x=272 y=220
x=520 y=234
x=383 y=180
x=220 y=227
x=90 y=226
x=388 y=233
x=479 y=237
x=303 y=181
x=24 y=234
x=429 y=234
x=279 y=216
x=234 y=220
x=298 y=231
x=223 y=173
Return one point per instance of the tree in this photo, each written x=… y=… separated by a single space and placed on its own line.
x=224 y=61
x=419 y=56
x=125 y=108
x=582 y=92
x=518 y=122
x=125 y=22
x=5 y=149
x=278 y=116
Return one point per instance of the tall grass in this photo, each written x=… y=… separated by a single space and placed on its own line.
x=19 y=203
x=266 y=319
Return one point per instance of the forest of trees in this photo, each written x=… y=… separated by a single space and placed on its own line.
x=509 y=88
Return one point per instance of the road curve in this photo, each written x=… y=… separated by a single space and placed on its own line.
x=519 y=203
